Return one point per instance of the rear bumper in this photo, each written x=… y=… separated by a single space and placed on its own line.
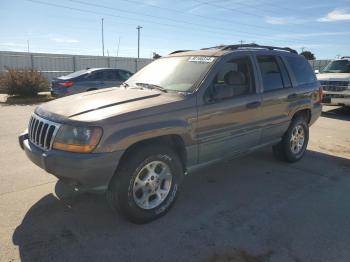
x=315 y=113
x=59 y=92
x=90 y=172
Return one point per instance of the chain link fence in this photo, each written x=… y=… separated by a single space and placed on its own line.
x=318 y=64
x=54 y=65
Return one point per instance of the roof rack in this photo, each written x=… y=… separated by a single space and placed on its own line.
x=178 y=51
x=255 y=46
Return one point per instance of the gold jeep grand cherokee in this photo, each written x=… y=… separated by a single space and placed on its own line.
x=137 y=141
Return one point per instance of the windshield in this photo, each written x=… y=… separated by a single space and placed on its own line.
x=339 y=66
x=173 y=73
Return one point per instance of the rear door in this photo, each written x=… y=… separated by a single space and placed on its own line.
x=231 y=125
x=277 y=94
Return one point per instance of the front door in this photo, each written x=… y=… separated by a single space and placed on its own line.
x=229 y=111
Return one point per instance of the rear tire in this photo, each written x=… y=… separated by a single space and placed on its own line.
x=294 y=142
x=146 y=184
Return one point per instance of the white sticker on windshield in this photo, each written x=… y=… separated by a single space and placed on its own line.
x=201 y=59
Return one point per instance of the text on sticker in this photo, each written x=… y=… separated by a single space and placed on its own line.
x=201 y=59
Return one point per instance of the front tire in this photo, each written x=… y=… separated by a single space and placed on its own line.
x=146 y=184
x=294 y=142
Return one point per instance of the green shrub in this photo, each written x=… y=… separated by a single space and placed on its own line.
x=23 y=82
x=2 y=85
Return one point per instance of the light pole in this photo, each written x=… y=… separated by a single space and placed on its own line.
x=118 y=46
x=103 y=40
x=138 y=40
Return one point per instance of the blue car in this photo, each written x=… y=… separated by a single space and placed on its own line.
x=88 y=80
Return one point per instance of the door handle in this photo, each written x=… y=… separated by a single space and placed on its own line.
x=253 y=104
x=292 y=96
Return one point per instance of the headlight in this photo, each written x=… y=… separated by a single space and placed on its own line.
x=77 y=139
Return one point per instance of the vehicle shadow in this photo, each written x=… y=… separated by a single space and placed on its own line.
x=221 y=213
x=341 y=113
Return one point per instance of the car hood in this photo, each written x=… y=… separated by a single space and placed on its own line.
x=334 y=76
x=97 y=105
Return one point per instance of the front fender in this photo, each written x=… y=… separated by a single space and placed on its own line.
x=124 y=138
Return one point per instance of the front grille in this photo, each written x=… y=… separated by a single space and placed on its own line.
x=41 y=132
x=337 y=86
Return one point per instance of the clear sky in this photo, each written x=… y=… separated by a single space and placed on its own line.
x=74 y=26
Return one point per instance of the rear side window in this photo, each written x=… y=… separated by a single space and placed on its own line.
x=270 y=72
x=301 y=69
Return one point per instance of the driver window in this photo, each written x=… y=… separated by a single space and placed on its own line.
x=234 y=79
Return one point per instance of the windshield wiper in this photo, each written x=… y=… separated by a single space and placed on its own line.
x=152 y=86
x=125 y=84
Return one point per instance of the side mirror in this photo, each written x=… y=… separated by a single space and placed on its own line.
x=317 y=71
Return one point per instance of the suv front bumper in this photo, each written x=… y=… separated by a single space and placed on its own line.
x=90 y=172
x=336 y=98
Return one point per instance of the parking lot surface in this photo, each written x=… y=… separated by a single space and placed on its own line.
x=254 y=208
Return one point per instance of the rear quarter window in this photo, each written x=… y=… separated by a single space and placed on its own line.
x=301 y=69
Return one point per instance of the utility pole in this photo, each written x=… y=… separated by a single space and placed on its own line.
x=103 y=41
x=118 y=46
x=302 y=49
x=241 y=42
x=28 y=46
x=138 y=40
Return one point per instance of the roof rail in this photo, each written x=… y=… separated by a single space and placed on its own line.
x=345 y=57
x=178 y=51
x=255 y=46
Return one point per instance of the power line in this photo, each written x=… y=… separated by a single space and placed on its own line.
x=157 y=23
x=259 y=7
x=153 y=22
x=118 y=16
x=180 y=21
x=242 y=12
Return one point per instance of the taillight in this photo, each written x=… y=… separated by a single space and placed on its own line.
x=67 y=83
x=320 y=94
